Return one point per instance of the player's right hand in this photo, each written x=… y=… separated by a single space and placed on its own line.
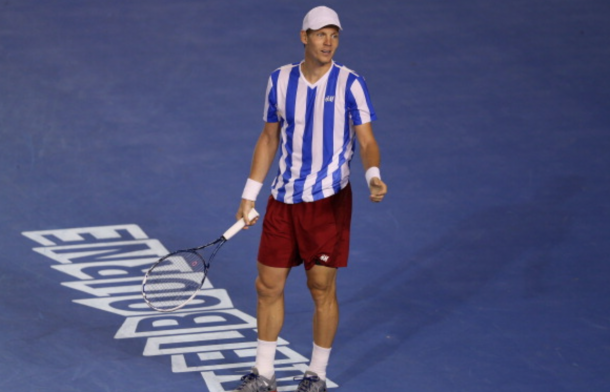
x=244 y=210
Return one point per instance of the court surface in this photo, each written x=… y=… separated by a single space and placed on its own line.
x=127 y=127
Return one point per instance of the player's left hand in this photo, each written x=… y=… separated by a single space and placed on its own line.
x=378 y=189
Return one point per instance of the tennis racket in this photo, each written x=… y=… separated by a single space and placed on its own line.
x=175 y=279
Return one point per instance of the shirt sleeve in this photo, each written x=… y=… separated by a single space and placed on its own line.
x=270 y=110
x=359 y=102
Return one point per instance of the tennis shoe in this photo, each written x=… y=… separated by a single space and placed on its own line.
x=311 y=383
x=254 y=382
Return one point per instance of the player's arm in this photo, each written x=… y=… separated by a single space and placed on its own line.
x=262 y=159
x=371 y=159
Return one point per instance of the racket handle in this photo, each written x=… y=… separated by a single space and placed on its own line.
x=239 y=225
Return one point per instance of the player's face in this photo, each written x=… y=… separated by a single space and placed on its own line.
x=320 y=45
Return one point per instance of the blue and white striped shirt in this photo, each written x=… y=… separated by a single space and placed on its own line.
x=317 y=139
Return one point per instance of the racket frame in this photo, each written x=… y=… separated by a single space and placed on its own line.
x=206 y=266
x=219 y=242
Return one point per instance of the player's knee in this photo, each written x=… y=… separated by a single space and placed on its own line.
x=268 y=288
x=321 y=289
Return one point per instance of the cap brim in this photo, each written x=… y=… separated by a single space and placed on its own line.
x=321 y=24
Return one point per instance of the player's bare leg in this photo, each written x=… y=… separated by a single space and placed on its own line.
x=321 y=282
x=270 y=285
x=270 y=307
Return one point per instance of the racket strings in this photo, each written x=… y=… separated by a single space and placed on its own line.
x=175 y=280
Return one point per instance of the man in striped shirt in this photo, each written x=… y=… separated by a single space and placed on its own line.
x=315 y=112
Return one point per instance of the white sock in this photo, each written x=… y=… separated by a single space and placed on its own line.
x=265 y=356
x=319 y=361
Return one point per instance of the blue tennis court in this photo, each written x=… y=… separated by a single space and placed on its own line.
x=126 y=131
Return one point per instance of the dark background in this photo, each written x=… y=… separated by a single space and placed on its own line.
x=486 y=267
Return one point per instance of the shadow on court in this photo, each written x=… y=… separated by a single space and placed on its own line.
x=458 y=266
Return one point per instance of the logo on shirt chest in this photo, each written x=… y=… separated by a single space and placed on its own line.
x=329 y=98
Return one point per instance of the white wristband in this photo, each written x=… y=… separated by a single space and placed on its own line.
x=371 y=173
x=251 y=190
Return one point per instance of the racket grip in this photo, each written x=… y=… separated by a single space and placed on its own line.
x=239 y=225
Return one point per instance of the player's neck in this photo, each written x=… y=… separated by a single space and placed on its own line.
x=313 y=70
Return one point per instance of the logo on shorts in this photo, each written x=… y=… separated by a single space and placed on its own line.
x=324 y=258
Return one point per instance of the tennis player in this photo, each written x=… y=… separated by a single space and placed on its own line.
x=315 y=112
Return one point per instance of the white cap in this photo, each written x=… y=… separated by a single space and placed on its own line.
x=320 y=17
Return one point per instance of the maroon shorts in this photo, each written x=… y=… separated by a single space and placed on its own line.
x=309 y=232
